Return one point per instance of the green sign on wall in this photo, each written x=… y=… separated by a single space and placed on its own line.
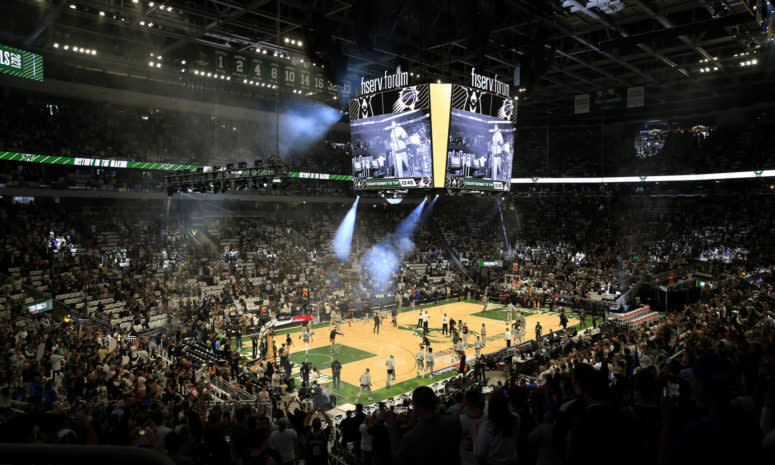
x=20 y=63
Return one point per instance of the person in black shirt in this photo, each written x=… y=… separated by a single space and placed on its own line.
x=350 y=432
x=332 y=336
x=376 y=323
x=254 y=341
x=336 y=373
x=316 y=439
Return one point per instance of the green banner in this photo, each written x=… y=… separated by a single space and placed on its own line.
x=148 y=165
x=95 y=162
x=381 y=183
x=39 y=307
x=19 y=63
x=491 y=263
x=484 y=184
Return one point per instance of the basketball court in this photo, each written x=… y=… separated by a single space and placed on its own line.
x=360 y=348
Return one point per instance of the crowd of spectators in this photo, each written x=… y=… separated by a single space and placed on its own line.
x=697 y=384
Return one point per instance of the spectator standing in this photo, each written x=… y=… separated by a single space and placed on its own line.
x=496 y=441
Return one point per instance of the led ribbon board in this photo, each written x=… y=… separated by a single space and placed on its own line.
x=19 y=63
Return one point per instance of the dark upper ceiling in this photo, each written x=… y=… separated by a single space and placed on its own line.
x=659 y=44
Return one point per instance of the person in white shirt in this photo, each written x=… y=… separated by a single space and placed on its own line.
x=283 y=440
x=420 y=358
x=365 y=382
x=445 y=324
x=508 y=337
x=57 y=360
x=391 y=370
x=478 y=346
x=429 y=362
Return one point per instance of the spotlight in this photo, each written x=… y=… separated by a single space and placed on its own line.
x=150 y=63
x=299 y=43
x=67 y=47
x=150 y=24
x=102 y=13
x=263 y=52
x=56 y=45
x=142 y=23
x=72 y=6
x=183 y=62
x=286 y=39
x=158 y=65
x=158 y=57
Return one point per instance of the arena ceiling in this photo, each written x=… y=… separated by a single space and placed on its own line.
x=561 y=47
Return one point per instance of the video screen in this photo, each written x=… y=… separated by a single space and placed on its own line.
x=392 y=146
x=390 y=138
x=482 y=134
x=480 y=147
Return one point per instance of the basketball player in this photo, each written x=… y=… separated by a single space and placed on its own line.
x=398 y=138
x=478 y=346
x=485 y=300
x=444 y=324
x=509 y=312
x=365 y=382
x=391 y=370
x=420 y=357
x=497 y=153
x=306 y=336
x=429 y=362
x=333 y=334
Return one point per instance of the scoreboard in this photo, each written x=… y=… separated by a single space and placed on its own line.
x=433 y=136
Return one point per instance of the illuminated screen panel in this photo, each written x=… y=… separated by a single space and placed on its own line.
x=482 y=134
x=390 y=136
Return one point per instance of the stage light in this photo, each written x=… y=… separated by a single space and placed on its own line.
x=66 y=47
x=183 y=62
x=102 y=13
x=263 y=52
x=299 y=43
x=72 y=6
x=56 y=45
x=151 y=64
x=287 y=40
x=142 y=23
x=158 y=57
x=151 y=4
x=150 y=24
x=344 y=234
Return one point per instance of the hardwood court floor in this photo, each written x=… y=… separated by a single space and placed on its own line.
x=372 y=350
